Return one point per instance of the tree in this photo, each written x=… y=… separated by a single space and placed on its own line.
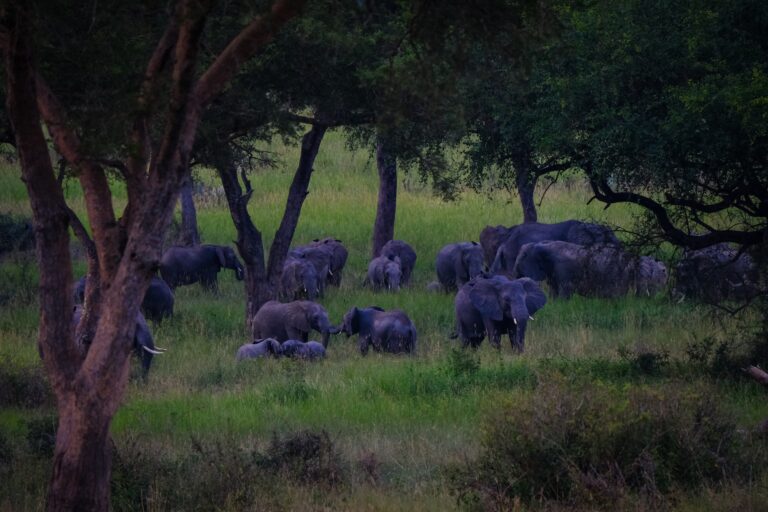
x=664 y=106
x=89 y=374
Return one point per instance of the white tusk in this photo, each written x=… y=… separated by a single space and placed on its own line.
x=531 y=318
x=150 y=350
x=160 y=348
x=514 y=320
x=330 y=272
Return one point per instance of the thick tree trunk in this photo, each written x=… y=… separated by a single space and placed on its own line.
x=525 y=181
x=384 y=225
x=249 y=242
x=310 y=144
x=189 y=233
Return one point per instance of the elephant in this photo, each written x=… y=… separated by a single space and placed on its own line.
x=715 y=274
x=400 y=249
x=299 y=280
x=387 y=331
x=187 y=265
x=320 y=258
x=338 y=254
x=457 y=263
x=384 y=273
x=600 y=270
x=158 y=299
x=311 y=350
x=143 y=343
x=573 y=231
x=268 y=347
x=491 y=239
x=292 y=321
x=494 y=306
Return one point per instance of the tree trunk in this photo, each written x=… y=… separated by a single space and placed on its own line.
x=384 y=225
x=249 y=241
x=310 y=144
x=189 y=233
x=525 y=181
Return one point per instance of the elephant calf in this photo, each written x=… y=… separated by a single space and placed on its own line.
x=602 y=270
x=299 y=280
x=384 y=273
x=387 y=331
x=310 y=351
x=260 y=348
x=292 y=321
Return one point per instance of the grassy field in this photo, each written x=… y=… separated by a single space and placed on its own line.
x=396 y=423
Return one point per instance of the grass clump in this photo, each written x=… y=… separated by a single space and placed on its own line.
x=592 y=446
x=22 y=386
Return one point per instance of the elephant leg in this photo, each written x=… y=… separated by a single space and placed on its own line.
x=494 y=336
x=363 y=344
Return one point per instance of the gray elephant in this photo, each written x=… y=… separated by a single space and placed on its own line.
x=601 y=270
x=269 y=347
x=495 y=306
x=299 y=280
x=400 y=249
x=573 y=231
x=491 y=238
x=320 y=258
x=338 y=259
x=384 y=273
x=457 y=263
x=187 y=265
x=143 y=342
x=715 y=274
x=292 y=321
x=386 y=331
x=310 y=351
x=158 y=299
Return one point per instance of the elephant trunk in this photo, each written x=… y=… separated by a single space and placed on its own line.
x=520 y=317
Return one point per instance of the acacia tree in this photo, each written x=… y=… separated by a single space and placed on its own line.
x=89 y=374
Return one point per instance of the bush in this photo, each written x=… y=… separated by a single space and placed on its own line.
x=16 y=233
x=23 y=386
x=645 y=360
x=41 y=435
x=590 y=446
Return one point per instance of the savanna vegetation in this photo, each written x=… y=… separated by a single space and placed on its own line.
x=422 y=121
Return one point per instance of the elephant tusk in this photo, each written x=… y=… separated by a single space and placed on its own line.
x=514 y=320
x=330 y=272
x=531 y=317
x=150 y=350
x=160 y=348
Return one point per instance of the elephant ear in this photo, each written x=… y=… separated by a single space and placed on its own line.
x=460 y=267
x=486 y=301
x=301 y=316
x=220 y=255
x=535 y=299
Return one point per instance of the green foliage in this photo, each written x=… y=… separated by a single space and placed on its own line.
x=645 y=360
x=590 y=446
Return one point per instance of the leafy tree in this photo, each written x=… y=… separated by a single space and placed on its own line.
x=101 y=109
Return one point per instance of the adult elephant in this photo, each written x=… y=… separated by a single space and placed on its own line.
x=573 y=231
x=457 y=263
x=715 y=274
x=602 y=270
x=338 y=260
x=158 y=299
x=292 y=321
x=143 y=342
x=384 y=273
x=386 y=331
x=495 y=306
x=181 y=266
x=491 y=238
x=299 y=280
x=320 y=258
x=406 y=254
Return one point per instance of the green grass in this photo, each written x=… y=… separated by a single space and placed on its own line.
x=414 y=414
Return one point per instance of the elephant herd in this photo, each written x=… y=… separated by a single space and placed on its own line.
x=496 y=281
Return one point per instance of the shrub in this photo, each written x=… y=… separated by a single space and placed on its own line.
x=41 y=435
x=16 y=233
x=645 y=360
x=23 y=386
x=305 y=457
x=588 y=445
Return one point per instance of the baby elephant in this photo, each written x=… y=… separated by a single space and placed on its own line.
x=260 y=348
x=384 y=273
x=387 y=331
x=310 y=351
x=406 y=254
